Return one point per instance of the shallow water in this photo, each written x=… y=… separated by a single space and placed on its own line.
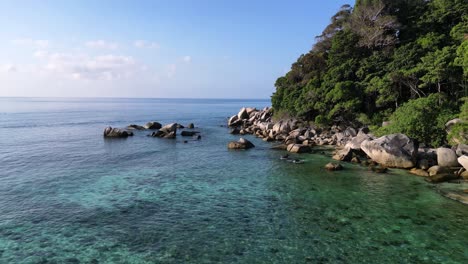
x=67 y=195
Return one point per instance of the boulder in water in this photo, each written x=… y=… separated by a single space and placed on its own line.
x=169 y=128
x=396 y=151
x=153 y=125
x=241 y=144
x=116 y=132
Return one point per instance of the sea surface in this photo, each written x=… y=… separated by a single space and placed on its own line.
x=67 y=195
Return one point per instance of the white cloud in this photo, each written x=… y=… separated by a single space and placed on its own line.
x=187 y=59
x=8 y=68
x=171 y=70
x=101 y=44
x=85 y=67
x=39 y=43
x=146 y=44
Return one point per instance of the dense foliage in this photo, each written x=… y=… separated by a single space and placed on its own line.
x=376 y=56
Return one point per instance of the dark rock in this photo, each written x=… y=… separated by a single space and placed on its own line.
x=191 y=126
x=442 y=178
x=153 y=125
x=116 y=132
x=189 y=133
x=235 y=131
x=345 y=154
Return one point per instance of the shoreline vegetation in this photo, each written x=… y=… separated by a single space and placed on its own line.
x=386 y=83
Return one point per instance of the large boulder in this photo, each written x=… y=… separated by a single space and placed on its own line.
x=169 y=128
x=243 y=114
x=234 y=121
x=345 y=154
x=298 y=148
x=241 y=144
x=447 y=157
x=153 y=125
x=355 y=142
x=435 y=170
x=463 y=160
x=116 y=132
x=395 y=151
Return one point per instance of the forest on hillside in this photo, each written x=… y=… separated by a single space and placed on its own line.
x=403 y=61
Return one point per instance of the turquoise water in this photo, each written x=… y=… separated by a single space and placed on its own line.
x=67 y=195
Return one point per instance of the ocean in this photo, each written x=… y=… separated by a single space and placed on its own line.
x=68 y=195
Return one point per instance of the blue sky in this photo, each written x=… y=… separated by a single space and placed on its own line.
x=181 y=49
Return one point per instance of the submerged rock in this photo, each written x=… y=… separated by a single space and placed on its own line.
x=395 y=151
x=189 y=133
x=137 y=127
x=333 y=166
x=116 y=132
x=419 y=172
x=442 y=178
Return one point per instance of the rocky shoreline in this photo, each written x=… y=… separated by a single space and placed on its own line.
x=358 y=145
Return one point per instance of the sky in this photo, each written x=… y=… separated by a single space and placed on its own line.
x=154 y=49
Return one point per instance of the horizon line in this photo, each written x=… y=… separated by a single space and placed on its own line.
x=110 y=97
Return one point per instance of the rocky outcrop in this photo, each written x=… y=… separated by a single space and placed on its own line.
x=153 y=125
x=191 y=126
x=116 y=133
x=394 y=151
x=447 y=157
x=241 y=144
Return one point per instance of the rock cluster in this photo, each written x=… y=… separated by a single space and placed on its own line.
x=168 y=131
x=389 y=151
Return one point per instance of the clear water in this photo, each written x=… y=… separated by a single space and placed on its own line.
x=69 y=196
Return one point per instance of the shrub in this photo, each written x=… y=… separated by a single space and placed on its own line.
x=459 y=132
x=422 y=119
